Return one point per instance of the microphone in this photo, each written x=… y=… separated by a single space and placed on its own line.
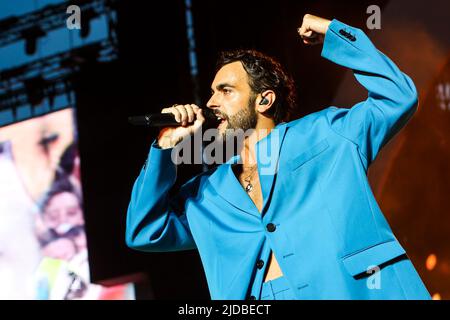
x=168 y=119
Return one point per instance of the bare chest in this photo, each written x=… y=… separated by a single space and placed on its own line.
x=251 y=184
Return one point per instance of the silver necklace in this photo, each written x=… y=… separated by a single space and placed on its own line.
x=249 y=186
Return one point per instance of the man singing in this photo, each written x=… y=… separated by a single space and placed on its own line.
x=311 y=229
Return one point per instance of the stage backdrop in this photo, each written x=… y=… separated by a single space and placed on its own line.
x=43 y=249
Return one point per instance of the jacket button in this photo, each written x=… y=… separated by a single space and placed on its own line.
x=271 y=227
x=260 y=264
x=252 y=298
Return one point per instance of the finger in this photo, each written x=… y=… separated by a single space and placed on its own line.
x=190 y=112
x=174 y=111
x=302 y=30
x=308 y=34
x=184 y=115
x=199 y=114
x=199 y=120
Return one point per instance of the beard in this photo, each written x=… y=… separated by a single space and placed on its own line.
x=244 y=120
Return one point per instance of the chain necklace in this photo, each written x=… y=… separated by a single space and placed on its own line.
x=249 y=186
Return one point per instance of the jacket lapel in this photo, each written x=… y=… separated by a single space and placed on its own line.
x=268 y=154
x=228 y=187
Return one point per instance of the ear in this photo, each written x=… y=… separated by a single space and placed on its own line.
x=265 y=100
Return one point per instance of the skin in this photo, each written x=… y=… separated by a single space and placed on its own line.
x=80 y=241
x=62 y=248
x=313 y=29
x=63 y=208
x=35 y=163
x=231 y=98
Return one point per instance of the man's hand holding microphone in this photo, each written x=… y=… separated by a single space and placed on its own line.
x=190 y=118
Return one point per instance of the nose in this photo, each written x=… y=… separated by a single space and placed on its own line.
x=212 y=104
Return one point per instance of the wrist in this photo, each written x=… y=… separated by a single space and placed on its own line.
x=163 y=143
x=166 y=142
x=326 y=26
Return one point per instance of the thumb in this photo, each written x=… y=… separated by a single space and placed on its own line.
x=308 y=34
x=199 y=119
x=199 y=114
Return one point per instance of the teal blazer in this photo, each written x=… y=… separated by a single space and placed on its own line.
x=319 y=214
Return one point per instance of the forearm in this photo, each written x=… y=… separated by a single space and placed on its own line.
x=152 y=223
x=385 y=83
x=165 y=141
x=392 y=97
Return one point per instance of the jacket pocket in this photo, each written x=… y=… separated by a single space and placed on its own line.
x=308 y=155
x=362 y=261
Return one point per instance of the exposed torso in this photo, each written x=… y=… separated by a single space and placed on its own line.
x=273 y=270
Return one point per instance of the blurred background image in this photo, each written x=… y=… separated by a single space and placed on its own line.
x=43 y=244
x=68 y=157
x=42 y=229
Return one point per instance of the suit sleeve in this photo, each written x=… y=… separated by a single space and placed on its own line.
x=155 y=221
x=392 y=96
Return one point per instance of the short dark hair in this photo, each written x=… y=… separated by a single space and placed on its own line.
x=265 y=73
x=61 y=185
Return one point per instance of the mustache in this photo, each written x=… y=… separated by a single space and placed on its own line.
x=221 y=114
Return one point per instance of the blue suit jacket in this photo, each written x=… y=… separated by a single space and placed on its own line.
x=329 y=230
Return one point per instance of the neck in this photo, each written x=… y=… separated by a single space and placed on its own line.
x=263 y=127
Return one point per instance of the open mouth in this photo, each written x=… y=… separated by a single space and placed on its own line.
x=221 y=121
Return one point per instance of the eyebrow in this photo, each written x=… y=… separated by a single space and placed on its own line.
x=223 y=85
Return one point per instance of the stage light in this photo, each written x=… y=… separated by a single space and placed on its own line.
x=436 y=296
x=35 y=90
x=31 y=35
x=86 y=18
x=431 y=262
x=8 y=23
